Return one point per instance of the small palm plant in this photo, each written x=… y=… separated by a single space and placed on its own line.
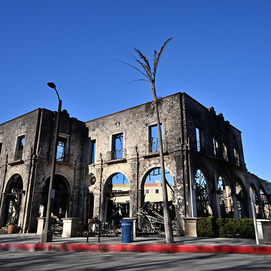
x=150 y=77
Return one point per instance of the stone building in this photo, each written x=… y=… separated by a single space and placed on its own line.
x=25 y=164
x=203 y=154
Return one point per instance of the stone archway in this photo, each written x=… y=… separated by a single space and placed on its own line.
x=89 y=204
x=252 y=189
x=116 y=198
x=151 y=186
x=203 y=194
x=265 y=204
x=151 y=213
x=241 y=197
x=60 y=204
x=225 y=197
x=12 y=201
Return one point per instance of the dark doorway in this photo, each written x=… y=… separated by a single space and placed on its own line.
x=13 y=198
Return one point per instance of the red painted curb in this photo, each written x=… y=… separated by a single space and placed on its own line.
x=246 y=250
x=224 y=249
x=137 y=248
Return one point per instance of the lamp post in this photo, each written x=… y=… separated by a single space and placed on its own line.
x=46 y=235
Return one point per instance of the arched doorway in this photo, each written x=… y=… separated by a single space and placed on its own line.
x=116 y=204
x=90 y=181
x=203 y=196
x=252 y=189
x=264 y=204
x=241 y=200
x=60 y=204
x=225 y=197
x=12 y=201
x=151 y=213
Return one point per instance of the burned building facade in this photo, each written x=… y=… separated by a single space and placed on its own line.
x=26 y=155
x=203 y=153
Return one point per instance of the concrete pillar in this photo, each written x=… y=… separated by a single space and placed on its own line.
x=190 y=226
x=41 y=221
x=70 y=226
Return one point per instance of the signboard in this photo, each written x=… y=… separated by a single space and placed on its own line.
x=52 y=193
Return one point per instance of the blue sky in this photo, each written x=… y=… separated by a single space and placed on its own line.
x=220 y=55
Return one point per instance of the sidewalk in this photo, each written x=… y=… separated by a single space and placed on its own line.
x=31 y=242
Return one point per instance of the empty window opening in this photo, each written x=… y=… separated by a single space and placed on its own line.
x=61 y=146
x=117 y=150
x=236 y=156
x=153 y=138
x=225 y=151
x=20 y=147
x=0 y=148
x=215 y=145
x=198 y=139
x=93 y=151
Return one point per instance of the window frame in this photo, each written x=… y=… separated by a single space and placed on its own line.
x=151 y=143
x=93 y=147
x=65 y=139
x=20 y=145
x=114 y=155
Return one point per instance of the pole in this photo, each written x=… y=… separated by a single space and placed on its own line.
x=167 y=220
x=100 y=195
x=46 y=235
x=253 y=200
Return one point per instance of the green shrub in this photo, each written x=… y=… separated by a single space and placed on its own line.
x=229 y=227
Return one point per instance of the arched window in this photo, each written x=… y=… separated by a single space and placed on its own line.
x=265 y=206
x=202 y=195
x=252 y=189
x=225 y=197
x=241 y=200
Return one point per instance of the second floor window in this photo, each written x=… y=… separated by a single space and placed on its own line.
x=153 y=138
x=215 y=145
x=20 y=147
x=236 y=156
x=93 y=151
x=198 y=139
x=61 y=146
x=225 y=151
x=117 y=146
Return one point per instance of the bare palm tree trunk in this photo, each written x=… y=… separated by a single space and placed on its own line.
x=167 y=219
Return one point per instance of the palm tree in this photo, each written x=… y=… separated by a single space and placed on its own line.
x=150 y=77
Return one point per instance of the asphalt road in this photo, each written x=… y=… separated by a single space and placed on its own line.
x=130 y=261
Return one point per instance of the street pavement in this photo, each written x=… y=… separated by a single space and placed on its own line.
x=45 y=261
x=31 y=242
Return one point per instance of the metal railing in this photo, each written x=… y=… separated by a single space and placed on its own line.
x=153 y=145
x=117 y=154
x=18 y=155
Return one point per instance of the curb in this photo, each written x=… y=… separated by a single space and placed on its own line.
x=141 y=248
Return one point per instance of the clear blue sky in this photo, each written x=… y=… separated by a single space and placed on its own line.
x=220 y=55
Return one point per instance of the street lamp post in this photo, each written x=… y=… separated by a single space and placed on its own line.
x=46 y=235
